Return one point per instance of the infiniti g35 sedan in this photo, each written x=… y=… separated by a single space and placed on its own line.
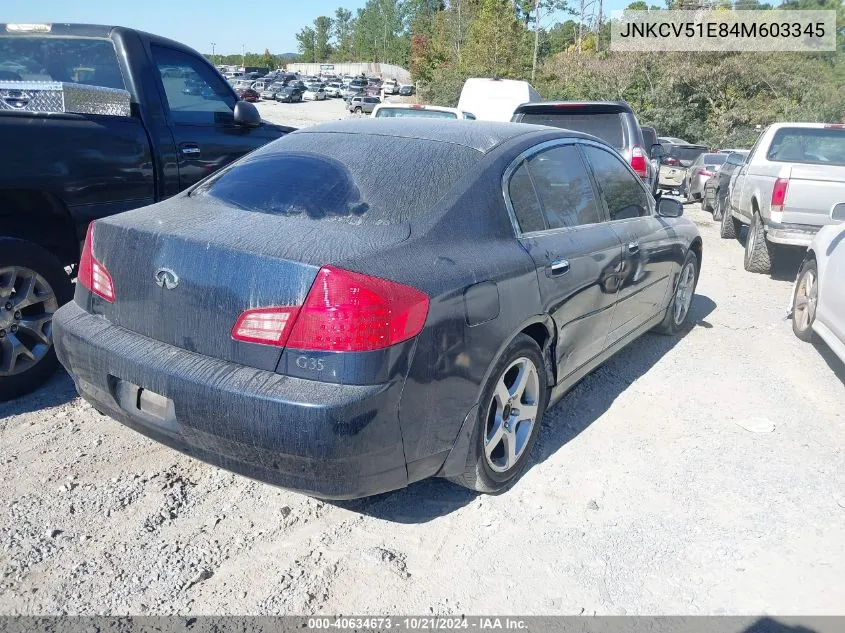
x=345 y=327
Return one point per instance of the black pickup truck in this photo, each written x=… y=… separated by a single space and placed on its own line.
x=60 y=169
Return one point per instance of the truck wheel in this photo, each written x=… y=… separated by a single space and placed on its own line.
x=33 y=285
x=758 y=256
x=718 y=208
x=805 y=300
x=730 y=226
x=510 y=412
x=358 y=110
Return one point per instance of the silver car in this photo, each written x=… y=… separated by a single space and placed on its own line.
x=702 y=169
x=818 y=303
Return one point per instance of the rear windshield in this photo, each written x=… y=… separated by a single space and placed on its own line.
x=808 y=145
x=685 y=152
x=607 y=127
x=714 y=159
x=353 y=178
x=83 y=60
x=398 y=113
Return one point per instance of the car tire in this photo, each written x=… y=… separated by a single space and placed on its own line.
x=758 y=251
x=518 y=374
x=718 y=208
x=729 y=227
x=805 y=300
x=52 y=286
x=677 y=312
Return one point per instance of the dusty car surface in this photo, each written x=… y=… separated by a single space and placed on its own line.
x=703 y=168
x=346 y=327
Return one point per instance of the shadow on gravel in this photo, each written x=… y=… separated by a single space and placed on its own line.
x=58 y=390
x=832 y=360
x=594 y=395
x=432 y=498
x=770 y=625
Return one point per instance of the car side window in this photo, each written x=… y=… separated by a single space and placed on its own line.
x=195 y=95
x=621 y=191
x=526 y=205
x=563 y=187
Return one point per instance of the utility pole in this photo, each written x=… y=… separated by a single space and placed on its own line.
x=243 y=56
x=598 y=30
x=536 y=37
x=580 y=25
x=212 y=49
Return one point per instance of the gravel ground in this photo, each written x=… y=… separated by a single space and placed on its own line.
x=702 y=474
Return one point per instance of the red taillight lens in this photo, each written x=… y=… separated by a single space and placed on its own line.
x=779 y=194
x=670 y=161
x=351 y=312
x=704 y=172
x=92 y=274
x=638 y=162
x=269 y=326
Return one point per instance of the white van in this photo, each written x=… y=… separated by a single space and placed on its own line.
x=402 y=110
x=495 y=99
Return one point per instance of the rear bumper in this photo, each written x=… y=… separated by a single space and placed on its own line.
x=327 y=440
x=791 y=234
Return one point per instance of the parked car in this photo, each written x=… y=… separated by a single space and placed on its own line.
x=315 y=92
x=406 y=90
x=290 y=94
x=363 y=105
x=390 y=87
x=401 y=110
x=702 y=169
x=319 y=374
x=96 y=165
x=271 y=91
x=493 y=99
x=818 y=303
x=716 y=188
x=613 y=122
x=349 y=92
x=672 y=140
x=247 y=94
x=334 y=90
x=674 y=163
x=793 y=176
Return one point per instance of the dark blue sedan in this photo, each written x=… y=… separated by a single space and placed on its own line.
x=364 y=304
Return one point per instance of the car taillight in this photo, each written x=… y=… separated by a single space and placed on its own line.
x=779 y=194
x=704 y=172
x=343 y=312
x=638 y=162
x=670 y=161
x=92 y=274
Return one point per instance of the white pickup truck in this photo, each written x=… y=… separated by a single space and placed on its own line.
x=784 y=192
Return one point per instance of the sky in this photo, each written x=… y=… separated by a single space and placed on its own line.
x=255 y=24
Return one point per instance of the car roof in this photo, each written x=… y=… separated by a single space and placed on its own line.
x=587 y=107
x=482 y=136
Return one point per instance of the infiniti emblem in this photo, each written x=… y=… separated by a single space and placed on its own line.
x=166 y=278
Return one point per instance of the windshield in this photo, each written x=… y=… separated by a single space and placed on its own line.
x=607 y=127
x=398 y=113
x=808 y=145
x=83 y=60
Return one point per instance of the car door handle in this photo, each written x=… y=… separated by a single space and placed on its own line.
x=557 y=268
x=190 y=149
x=633 y=248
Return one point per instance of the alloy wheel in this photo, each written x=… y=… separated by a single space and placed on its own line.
x=27 y=306
x=511 y=415
x=684 y=292
x=806 y=298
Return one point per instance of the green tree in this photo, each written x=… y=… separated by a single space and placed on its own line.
x=306 y=40
x=343 y=28
x=322 y=36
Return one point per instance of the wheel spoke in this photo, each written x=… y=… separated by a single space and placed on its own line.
x=801 y=302
x=12 y=349
x=35 y=327
x=494 y=438
x=502 y=394
x=509 y=438
x=7 y=283
x=527 y=412
x=520 y=383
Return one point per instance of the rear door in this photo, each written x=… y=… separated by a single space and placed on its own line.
x=650 y=246
x=563 y=226
x=201 y=116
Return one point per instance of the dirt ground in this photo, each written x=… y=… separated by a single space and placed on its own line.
x=701 y=474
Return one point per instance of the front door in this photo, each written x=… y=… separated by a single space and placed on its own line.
x=577 y=254
x=201 y=116
x=649 y=244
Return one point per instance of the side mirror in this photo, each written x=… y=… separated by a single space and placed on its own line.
x=247 y=115
x=657 y=151
x=669 y=208
x=837 y=213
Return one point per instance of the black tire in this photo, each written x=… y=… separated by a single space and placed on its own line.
x=758 y=251
x=705 y=204
x=672 y=321
x=718 y=209
x=730 y=226
x=23 y=254
x=358 y=110
x=802 y=320
x=479 y=474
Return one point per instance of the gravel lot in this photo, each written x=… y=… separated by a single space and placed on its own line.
x=310 y=112
x=702 y=474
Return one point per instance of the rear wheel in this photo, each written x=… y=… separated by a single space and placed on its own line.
x=718 y=207
x=679 y=307
x=730 y=226
x=805 y=300
x=33 y=285
x=358 y=110
x=511 y=408
x=758 y=256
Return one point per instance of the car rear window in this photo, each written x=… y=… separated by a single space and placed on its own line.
x=808 y=145
x=83 y=60
x=685 y=152
x=353 y=178
x=398 y=113
x=607 y=127
x=714 y=159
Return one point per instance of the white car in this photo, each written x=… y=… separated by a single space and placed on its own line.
x=818 y=302
x=334 y=90
x=315 y=93
x=402 y=110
